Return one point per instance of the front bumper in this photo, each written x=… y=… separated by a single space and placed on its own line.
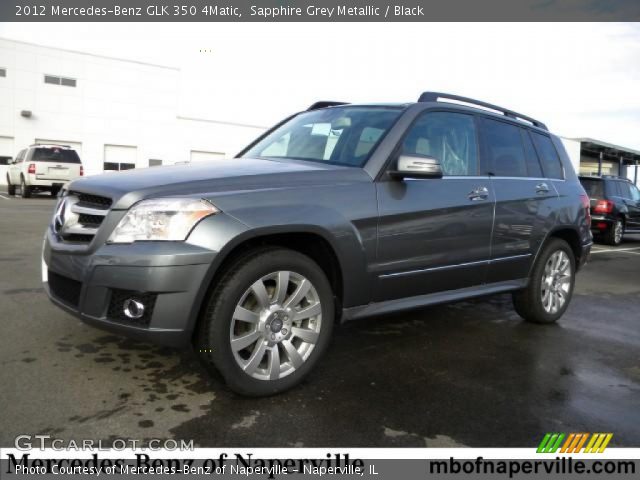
x=171 y=278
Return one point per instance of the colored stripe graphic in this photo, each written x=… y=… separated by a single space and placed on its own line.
x=574 y=442
x=550 y=443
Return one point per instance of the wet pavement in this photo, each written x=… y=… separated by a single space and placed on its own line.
x=466 y=374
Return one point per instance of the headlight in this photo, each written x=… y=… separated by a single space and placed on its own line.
x=161 y=219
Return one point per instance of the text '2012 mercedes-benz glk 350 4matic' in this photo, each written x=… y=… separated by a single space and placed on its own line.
x=337 y=213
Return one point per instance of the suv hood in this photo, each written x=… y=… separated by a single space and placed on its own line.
x=213 y=179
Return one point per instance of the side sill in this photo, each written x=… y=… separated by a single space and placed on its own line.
x=397 y=305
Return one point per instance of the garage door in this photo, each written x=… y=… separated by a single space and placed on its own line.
x=6 y=152
x=202 y=156
x=77 y=146
x=120 y=157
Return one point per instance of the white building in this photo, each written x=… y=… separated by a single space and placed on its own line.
x=116 y=113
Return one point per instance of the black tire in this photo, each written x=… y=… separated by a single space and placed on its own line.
x=11 y=189
x=611 y=237
x=54 y=192
x=528 y=302
x=213 y=337
x=25 y=190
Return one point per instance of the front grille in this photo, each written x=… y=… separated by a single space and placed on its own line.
x=64 y=288
x=78 y=220
x=90 y=220
x=92 y=201
x=116 y=313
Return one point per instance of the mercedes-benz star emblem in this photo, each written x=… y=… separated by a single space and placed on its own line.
x=59 y=217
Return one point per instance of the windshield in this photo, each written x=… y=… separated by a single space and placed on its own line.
x=338 y=135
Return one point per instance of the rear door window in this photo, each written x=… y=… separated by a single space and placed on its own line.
x=504 y=150
x=55 y=155
x=551 y=165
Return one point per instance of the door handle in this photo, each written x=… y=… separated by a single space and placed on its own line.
x=480 y=193
x=542 y=188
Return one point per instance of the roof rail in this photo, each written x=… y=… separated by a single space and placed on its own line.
x=325 y=104
x=51 y=144
x=434 y=96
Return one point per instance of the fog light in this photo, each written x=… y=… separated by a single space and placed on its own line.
x=133 y=308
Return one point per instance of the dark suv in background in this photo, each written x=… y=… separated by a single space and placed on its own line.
x=615 y=207
x=337 y=213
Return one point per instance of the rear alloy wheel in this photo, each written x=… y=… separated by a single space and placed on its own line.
x=25 y=191
x=614 y=235
x=11 y=189
x=268 y=321
x=550 y=288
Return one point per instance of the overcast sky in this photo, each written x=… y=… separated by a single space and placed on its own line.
x=582 y=79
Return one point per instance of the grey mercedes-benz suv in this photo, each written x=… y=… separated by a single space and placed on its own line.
x=339 y=212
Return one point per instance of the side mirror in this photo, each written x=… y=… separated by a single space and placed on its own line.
x=414 y=166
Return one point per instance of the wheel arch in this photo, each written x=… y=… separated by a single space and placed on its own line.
x=570 y=235
x=310 y=240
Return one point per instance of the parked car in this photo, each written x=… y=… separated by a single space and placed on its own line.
x=43 y=168
x=615 y=207
x=337 y=213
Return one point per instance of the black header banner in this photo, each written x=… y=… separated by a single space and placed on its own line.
x=316 y=10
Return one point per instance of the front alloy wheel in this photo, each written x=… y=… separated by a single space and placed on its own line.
x=276 y=325
x=268 y=321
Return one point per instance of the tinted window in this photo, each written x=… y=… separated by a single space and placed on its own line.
x=551 y=165
x=339 y=135
x=635 y=193
x=593 y=187
x=20 y=156
x=55 y=155
x=447 y=136
x=504 y=150
x=533 y=163
x=625 y=190
x=612 y=189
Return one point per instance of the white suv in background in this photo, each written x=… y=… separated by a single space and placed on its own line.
x=43 y=168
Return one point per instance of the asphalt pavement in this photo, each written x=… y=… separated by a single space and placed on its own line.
x=465 y=374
